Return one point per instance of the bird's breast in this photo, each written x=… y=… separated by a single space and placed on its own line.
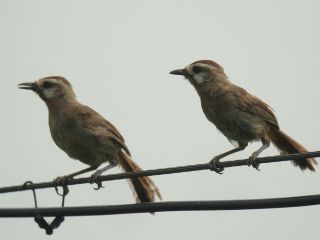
x=57 y=130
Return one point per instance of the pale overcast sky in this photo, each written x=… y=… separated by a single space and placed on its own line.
x=117 y=55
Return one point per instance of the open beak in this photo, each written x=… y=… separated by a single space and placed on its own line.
x=182 y=72
x=28 y=86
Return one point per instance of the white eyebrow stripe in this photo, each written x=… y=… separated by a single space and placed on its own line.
x=204 y=65
x=53 y=80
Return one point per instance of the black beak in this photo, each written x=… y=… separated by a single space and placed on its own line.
x=28 y=86
x=182 y=72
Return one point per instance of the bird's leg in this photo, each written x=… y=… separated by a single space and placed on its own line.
x=252 y=159
x=213 y=163
x=63 y=179
x=94 y=176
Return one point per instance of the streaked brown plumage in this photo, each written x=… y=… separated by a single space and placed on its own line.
x=240 y=116
x=86 y=136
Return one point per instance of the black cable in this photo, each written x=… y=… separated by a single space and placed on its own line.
x=165 y=207
x=188 y=168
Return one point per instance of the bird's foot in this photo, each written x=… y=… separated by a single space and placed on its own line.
x=62 y=181
x=95 y=179
x=252 y=161
x=213 y=164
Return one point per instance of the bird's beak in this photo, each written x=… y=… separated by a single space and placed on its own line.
x=28 y=85
x=182 y=72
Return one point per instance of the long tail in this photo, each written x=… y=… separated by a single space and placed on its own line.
x=144 y=188
x=287 y=145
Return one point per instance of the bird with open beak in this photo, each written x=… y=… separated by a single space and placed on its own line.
x=83 y=134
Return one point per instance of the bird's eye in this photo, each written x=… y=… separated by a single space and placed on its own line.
x=196 y=69
x=47 y=84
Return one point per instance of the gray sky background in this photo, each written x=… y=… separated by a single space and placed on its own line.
x=117 y=55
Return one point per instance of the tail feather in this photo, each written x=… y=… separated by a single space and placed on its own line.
x=287 y=145
x=144 y=188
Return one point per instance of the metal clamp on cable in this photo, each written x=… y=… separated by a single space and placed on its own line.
x=39 y=219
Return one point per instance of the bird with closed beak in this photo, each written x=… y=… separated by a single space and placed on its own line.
x=240 y=116
x=85 y=135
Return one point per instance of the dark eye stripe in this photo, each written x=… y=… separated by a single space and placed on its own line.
x=47 y=84
x=197 y=69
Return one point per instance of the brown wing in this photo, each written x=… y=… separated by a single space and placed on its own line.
x=95 y=122
x=255 y=106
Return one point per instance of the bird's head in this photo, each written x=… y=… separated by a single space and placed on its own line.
x=201 y=72
x=51 y=89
